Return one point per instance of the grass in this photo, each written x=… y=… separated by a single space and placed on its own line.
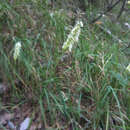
x=87 y=89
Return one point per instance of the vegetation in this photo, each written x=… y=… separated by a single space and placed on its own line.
x=87 y=88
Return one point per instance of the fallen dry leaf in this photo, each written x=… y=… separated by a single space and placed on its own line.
x=98 y=22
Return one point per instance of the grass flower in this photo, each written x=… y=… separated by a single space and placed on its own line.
x=73 y=36
x=17 y=50
x=65 y=98
x=128 y=68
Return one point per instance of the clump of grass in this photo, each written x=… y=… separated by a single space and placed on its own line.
x=89 y=89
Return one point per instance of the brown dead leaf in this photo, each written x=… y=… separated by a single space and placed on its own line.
x=98 y=22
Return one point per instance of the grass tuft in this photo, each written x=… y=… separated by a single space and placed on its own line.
x=87 y=88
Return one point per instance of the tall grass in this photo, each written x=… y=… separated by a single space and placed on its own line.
x=85 y=89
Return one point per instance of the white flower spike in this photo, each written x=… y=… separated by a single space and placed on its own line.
x=128 y=68
x=73 y=36
x=17 y=49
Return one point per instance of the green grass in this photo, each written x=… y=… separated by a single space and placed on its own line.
x=89 y=89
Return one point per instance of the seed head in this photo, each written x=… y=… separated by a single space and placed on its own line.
x=17 y=49
x=73 y=36
x=128 y=68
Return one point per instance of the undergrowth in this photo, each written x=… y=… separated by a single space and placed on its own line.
x=85 y=89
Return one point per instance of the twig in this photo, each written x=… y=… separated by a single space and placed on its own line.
x=122 y=9
x=108 y=9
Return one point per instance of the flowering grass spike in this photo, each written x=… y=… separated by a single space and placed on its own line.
x=128 y=68
x=17 y=50
x=73 y=36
